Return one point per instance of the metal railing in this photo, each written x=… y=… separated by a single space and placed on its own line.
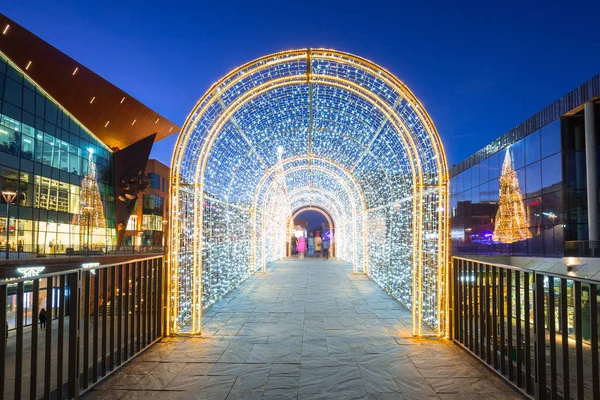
x=582 y=248
x=96 y=319
x=538 y=330
x=28 y=252
x=507 y=249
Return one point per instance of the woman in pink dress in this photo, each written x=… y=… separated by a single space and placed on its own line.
x=301 y=246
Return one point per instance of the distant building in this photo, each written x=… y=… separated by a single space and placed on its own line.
x=147 y=225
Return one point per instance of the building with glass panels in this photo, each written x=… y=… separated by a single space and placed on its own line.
x=147 y=225
x=528 y=193
x=69 y=143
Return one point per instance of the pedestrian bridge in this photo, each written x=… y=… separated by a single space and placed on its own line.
x=309 y=330
x=228 y=317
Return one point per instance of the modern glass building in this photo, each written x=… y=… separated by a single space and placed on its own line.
x=526 y=193
x=44 y=153
x=69 y=143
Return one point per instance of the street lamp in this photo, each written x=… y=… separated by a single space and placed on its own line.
x=165 y=223
x=89 y=213
x=9 y=197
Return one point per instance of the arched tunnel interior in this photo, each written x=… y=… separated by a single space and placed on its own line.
x=294 y=129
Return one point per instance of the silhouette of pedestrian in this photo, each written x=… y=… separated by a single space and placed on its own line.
x=42 y=318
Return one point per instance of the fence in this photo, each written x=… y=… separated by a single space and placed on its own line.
x=582 y=248
x=96 y=319
x=27 y=251
x=536 y=329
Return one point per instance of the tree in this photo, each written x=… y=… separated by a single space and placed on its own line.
x=91 y=210
x=511 y=221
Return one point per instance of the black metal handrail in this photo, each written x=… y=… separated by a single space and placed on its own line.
x=28 y=251
x=502 y=315
x=582 y=248
x=118 y=312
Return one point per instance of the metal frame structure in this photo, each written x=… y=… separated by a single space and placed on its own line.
x=309 y=126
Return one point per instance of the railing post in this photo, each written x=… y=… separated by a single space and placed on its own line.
x=454 y=314
x=3 y=337
x=162 y=298
x=74 y=305
x=540 y=337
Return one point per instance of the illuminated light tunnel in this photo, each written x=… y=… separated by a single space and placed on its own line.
x=297 y=128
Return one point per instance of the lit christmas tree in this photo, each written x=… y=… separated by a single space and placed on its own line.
x=91 y=211
x=511 y=223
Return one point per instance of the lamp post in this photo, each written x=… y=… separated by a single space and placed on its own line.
x=9 y=197
x=165 y=223
x=88 y=210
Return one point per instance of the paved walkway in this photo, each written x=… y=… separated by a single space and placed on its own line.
x=305 y=330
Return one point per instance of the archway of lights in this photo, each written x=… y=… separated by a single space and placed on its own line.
x=300 y=128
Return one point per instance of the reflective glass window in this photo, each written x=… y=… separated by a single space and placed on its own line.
x=484 y=174
x=453 y=188
x=467 y=179
x=552 y=204
x=154 y=180
x=495 y=165
x=460 y=207
x=552 y=173
x=27 y=147
x=152 y=204
x=494 y=189
x=532 y=147
x=484 y=192
x=29 y=101
x=533 y=207
x=534 y=180
x=551 y=139
x=475 y=195
x=13 y=92
x=453 y=202
x=517 y=151
x=475 y=176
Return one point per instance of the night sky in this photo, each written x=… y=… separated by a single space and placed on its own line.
x=479 y=69
x=313 y=218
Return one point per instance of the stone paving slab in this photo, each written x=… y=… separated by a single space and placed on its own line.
x=305 y=330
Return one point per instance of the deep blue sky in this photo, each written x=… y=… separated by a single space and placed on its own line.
x=478 y=68
x=313 y=218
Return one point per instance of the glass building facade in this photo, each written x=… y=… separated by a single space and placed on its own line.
x=475 y=197
x=525 y=194
x=44 y=156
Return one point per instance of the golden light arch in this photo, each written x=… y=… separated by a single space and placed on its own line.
x=291 y=129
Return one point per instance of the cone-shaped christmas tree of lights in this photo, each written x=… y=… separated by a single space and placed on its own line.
x=91 y=211
x=511 y=222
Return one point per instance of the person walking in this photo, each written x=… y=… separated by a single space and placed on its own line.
x=301 y=246
x=318 y=242
x=311 y=245
x=326 y=245
x=42 y=318
x=294 y=242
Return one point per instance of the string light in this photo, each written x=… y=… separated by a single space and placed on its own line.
x=298 y=128
x=91 y=210
x=510 y=225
